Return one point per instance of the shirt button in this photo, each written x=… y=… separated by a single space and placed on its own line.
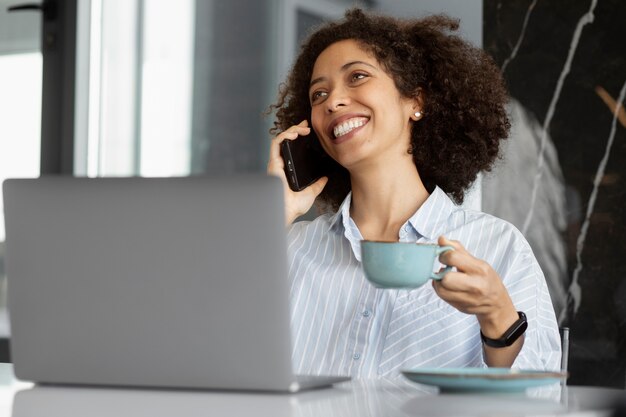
x=356 y=356
x=407 y=228
x=367 y=313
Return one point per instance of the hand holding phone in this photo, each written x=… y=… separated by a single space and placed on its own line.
x=296 y=203
x=305 y=161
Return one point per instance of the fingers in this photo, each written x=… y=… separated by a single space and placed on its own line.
x=275 y=163
x=462 y=290
x=460 y=258
x=301 y=129
x=296 y=203
x=475 y=287
x=477 y=298
x=454 y=281
x=471 y=273
x=316 y=188
x=458 y=247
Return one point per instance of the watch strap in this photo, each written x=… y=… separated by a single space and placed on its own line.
x=510 y=336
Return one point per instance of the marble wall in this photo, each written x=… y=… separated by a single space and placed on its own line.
x=563 y=177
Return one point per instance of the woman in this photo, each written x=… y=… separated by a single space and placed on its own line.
x=410 y=114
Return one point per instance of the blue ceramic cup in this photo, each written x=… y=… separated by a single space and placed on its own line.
x=400 y=264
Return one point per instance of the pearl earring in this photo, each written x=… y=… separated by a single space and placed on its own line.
x=418 y=114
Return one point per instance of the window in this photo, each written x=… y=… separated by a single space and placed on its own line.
x=140 y=71
x=20 y=112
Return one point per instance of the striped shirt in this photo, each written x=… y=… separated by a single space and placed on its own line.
x=342 y=325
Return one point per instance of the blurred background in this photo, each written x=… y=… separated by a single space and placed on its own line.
x=162 y=88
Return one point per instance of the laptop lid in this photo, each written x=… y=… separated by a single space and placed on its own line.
x=173 y=282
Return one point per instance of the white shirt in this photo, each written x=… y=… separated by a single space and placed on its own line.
x=342 y=325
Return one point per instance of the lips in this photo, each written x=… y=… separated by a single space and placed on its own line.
x=345 y=125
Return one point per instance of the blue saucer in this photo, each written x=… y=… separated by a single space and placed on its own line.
x=483 y=379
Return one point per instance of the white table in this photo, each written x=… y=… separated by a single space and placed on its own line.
x=362 y=398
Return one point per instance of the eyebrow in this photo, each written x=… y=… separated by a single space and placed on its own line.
x=343 y=68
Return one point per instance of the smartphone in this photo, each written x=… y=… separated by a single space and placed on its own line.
x=305 y=161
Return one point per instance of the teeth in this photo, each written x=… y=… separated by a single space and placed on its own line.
x=348 y=126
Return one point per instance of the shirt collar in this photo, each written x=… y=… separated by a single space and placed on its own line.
x=341 y=222
x=343 y=214
x=430 y=220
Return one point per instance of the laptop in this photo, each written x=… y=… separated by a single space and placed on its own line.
x=151 y=282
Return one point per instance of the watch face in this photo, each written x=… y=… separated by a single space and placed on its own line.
x=518 y=329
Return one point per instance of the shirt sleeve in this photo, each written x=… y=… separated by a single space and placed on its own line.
x=528 y=289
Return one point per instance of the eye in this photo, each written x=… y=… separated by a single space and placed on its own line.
x=358 y=76
x=317 y=95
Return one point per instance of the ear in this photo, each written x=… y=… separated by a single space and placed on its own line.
x=417 y=106
x=416 y=116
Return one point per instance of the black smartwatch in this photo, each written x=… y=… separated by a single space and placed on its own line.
x=510 y=336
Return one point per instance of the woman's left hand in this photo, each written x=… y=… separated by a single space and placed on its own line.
x=475 y=288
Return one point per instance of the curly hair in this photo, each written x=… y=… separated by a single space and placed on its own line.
x=464 y=97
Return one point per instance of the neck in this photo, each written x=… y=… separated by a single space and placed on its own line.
x=384 y=197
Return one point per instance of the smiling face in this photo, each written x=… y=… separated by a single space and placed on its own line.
x=356 y=110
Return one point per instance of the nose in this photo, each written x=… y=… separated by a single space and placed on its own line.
x=336 y=99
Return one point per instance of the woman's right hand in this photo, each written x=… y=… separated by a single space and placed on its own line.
x=296 y=203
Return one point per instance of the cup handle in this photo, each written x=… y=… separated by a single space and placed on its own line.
x=438 y=276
